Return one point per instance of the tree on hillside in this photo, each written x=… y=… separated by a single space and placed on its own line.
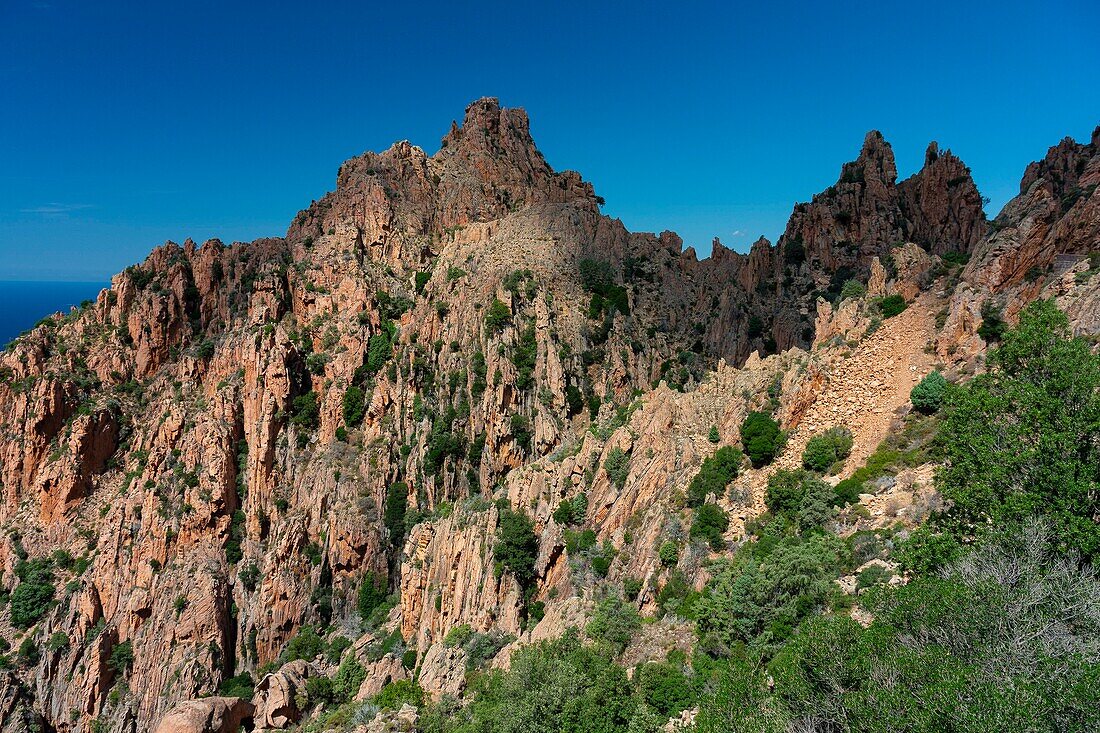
x=1024 y=438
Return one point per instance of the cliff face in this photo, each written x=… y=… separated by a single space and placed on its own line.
x=222 y=447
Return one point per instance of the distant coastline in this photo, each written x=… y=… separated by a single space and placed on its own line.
x=24 y=303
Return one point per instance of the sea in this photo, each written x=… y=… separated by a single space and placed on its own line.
x=23 y=304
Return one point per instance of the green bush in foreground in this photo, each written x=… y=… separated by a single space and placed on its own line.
x=927 y=396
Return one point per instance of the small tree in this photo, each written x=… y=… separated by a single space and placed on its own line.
x=517 y=546
x=927 y=396
x=710 y=523
x=615 y=622
x=823 y=450
x=354 y=406
x=761 y=438
x=372 y=594
x=497 y=317
x=715 y=473
x=892 y=305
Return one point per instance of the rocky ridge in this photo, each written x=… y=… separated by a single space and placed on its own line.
x=219 y=450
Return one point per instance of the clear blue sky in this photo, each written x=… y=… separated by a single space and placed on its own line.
x=126 y=124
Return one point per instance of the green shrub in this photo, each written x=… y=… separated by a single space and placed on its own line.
x=927 y=396
x=800 y=496
x=58 y=640
x=240 y=686
x=709 y=524
x=122 y=657
x=379 y=350
x=421 y=279
x=393 y=516
x=372 y=594
x=517 y=546
x=320 y=690
x=396 y=694
x=498 y=317
x=631 y=588
x=617 y=466
x=847 y=491
x=354 y=406
x=761 y=597
x=665 y=688
x=823 y=450
x=34 y=595
x=713 y=435
x=715 y=474
x=572 y=511
x=614 y=621
x=852 y=289
x=349 y=676
x=892 y=305
x=305 y=413
x=28 y=653
x=306 y=644
x=669 y=554
x=761 y=438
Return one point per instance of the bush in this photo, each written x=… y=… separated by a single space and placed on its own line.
x=498 y=317
x=847 y=491
x=715 y=473
x=709 y=524
x=852 y=289
x=122 y=657
x=713 y=435
x=617 y=466
x=349 y=676
x=305 y=413
x=354 y=406
x=240 y=686
x=421 y=279
x=927 y=396
x=379 y=350
x=892 y=305
x=571 y=511
x=401 y=692
x=615 y=622
x=393 y=516
x=801 y=497
x=761 y=438
x=306 y=645
x=770 y=587
x=319 y=689
x=517 y=546
x=29 y=653
x=665 y=688
x=372 y=594
x=669 y=554
x=34 y=595
x=823 y=450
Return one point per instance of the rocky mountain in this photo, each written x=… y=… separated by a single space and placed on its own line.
x=242 y=454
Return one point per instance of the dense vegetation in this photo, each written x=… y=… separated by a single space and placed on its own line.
x=997 y=627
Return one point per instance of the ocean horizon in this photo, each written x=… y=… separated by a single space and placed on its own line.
x=24 y=303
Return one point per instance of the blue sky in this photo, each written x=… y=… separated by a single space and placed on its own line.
x=126 y=124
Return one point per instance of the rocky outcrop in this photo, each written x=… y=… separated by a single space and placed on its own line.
x=208 y=715
x=276 y=697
